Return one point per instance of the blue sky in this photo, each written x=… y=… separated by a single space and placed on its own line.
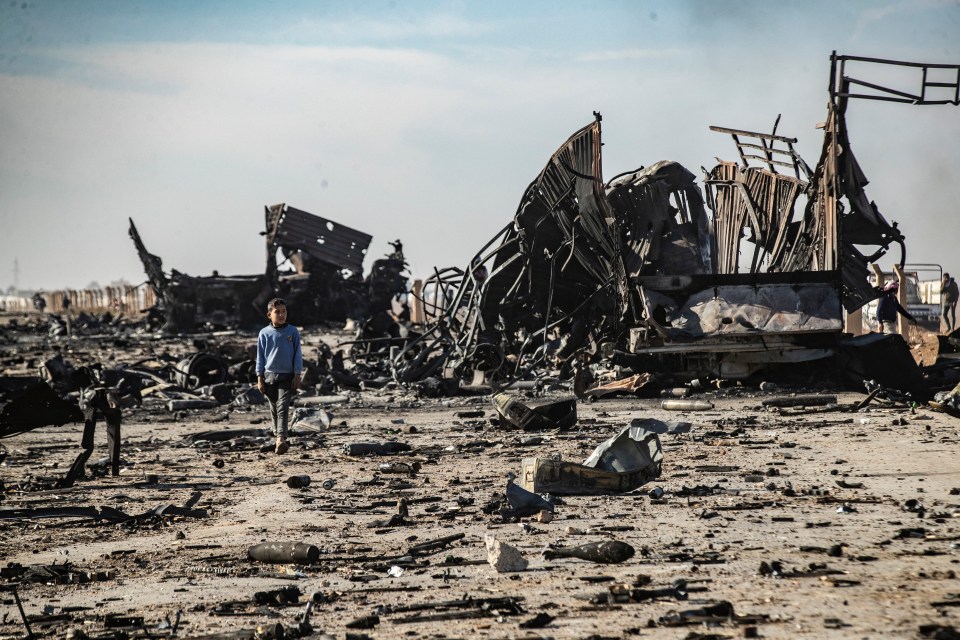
x=422 y=121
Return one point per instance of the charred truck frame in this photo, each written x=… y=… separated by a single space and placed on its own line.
x=636 y=265
x=326 y=281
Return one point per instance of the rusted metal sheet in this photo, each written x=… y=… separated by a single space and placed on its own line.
x=757 y=200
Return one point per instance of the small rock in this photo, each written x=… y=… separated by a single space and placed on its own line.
x=544 y=516
x=504 y=558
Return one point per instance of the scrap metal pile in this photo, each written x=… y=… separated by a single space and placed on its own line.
x=326 y=282
x=634 y=272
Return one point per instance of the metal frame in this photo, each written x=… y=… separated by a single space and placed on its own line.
x=840 y=82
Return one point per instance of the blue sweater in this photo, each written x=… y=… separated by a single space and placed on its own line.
x=278 y=350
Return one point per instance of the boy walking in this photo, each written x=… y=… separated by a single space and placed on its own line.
x=279 y=365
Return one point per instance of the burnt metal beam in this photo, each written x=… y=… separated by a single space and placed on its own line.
x=840 y=82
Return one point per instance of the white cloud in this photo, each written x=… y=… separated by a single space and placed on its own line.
x=400 y=28
x=875 y=14
x=617 y=55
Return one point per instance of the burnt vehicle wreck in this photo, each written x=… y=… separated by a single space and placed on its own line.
x=313 y=263
x=644 y=268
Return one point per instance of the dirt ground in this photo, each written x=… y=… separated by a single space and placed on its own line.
x=854 y=513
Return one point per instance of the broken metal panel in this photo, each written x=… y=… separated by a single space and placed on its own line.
x=558 y=263
x=325 y=240
x=566 y=230
x=862 y=224
x=754 y=199
x=839 y=175
x=762 y=148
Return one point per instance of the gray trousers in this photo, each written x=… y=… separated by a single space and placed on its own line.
x=279 y=394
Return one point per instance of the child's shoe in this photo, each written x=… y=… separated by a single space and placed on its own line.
x=282 y=446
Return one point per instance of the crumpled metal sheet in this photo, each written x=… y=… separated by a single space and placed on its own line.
x=771 y=308
x=659 y=237
x=633 y=449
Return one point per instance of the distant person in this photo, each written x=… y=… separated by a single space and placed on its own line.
x=888 y=307
x=279 y=365
x=39 y=302
x=949 y=293
x=66 y=313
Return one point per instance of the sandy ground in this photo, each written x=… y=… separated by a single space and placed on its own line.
x=776 y=499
